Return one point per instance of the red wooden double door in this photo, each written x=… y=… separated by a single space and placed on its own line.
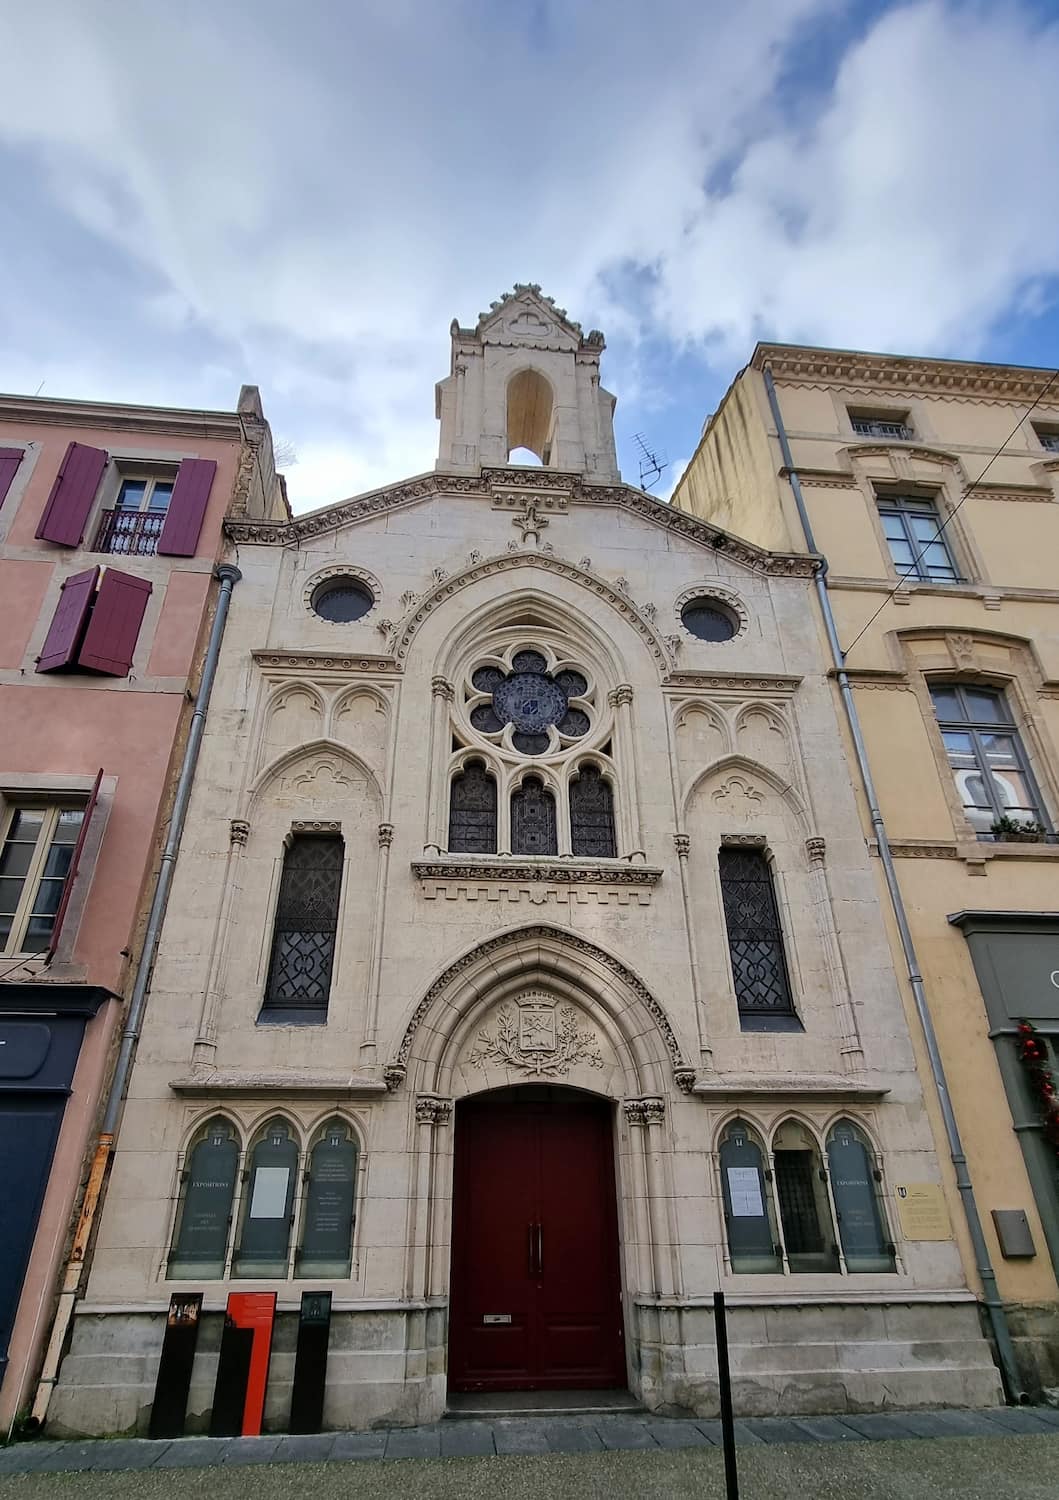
x=536 y=1292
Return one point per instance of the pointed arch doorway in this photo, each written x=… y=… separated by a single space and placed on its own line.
x=536 y=1285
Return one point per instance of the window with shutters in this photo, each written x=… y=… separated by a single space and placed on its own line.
x=96 y=624
x=36 y=858
x=755 y=938
x=592 y=815
x=533 y=828
x=303 y=939
x=133 y=525
x=472 y=811
x=10 y=461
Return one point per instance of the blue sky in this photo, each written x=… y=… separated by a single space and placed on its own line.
x=304 y=196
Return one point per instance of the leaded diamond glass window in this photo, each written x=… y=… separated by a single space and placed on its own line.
x=303 y=943
x=755 y=939
x=472 y=811
x=533 y=828
x=592 y=816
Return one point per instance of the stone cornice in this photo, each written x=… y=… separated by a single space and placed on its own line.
x=900 y=375
x=836 y=1086
x=293 y=1081
x=169 y=421
x=548 y=871
x=316 y=661
x=496 y=483
x=735 y=682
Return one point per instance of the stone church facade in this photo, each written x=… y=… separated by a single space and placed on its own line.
x=524 y=980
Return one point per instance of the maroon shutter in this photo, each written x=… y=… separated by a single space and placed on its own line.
x=10 y=458
x=68 y=622
x=71 y=874
x=110 y=639
x=72 y=495
x=187 y=507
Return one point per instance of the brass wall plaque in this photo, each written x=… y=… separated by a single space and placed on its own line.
x=922 y=1211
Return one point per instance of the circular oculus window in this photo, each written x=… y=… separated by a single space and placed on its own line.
x=342 y=600
x=708 y=619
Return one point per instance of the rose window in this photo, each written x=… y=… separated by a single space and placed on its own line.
x=544 y=709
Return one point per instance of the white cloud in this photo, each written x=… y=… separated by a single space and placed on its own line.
x=307 y=194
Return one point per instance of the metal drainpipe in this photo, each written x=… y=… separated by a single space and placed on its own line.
x=229 y=576
x=991 y=1295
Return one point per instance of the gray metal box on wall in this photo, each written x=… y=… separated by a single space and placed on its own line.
x=1013 y=1232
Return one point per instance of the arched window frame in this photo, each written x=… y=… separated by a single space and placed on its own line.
x=270 y=1014
x=752 y=1018
x=878 y=1171
x=461 y=762
x=758 y=1140
x=822 y=1198
x=197 y=1136
x=605 y=769
x=551 y=787
x=241 y=1213
x=313 y=1138
x=537 y=438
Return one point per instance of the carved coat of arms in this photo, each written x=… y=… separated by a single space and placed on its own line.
x=539 y=1037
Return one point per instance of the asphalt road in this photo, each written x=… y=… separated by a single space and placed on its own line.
x=1013 y=1468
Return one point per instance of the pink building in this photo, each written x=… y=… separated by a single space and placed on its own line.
x=110 y=528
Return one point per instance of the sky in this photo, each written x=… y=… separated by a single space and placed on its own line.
x=302 y=195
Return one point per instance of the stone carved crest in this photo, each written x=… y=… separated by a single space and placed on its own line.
x=538 y=1037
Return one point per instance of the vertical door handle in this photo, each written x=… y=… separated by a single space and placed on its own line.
x=532 y=1243
x=540 y=1249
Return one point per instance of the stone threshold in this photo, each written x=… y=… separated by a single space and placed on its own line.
x=557 y=1432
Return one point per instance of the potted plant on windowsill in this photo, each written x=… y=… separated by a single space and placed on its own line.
x=1018 y=831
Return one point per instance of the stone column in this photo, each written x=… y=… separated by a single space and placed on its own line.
x=834 y=967
x=620 y=699
x=205 y=1046
x=437 y=803
x=431 y=1112
x=648 y=1115
x=682 y=845
x=378 y=934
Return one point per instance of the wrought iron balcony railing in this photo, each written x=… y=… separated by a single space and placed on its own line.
x=132 y=533
x=868 y=427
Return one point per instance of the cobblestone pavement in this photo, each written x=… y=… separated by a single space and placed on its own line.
x=503 y=1436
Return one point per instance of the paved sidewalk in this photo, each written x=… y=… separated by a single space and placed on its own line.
x=518 y=1435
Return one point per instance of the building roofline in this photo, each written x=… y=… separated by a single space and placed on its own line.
x=807 y=364
x=53 y=411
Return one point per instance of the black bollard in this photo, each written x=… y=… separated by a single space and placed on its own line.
x=724 y=1381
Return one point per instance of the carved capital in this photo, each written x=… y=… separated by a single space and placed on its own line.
x=430 y=1110
x=441 y=687
x=620 y=696
x=682 y=844
x=385 y=835
x=238 y=832
x=393 y=1076
x=684 y=1078
x=644 y=1111
x=815 y=849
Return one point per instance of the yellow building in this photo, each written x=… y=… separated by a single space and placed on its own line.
x=931 y=490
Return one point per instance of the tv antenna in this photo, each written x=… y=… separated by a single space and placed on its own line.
x=651 y=466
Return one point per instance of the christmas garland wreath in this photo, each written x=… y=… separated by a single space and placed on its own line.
x=1033 y=1056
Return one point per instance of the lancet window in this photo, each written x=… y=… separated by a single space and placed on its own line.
x=755 y=938
x=306 y=924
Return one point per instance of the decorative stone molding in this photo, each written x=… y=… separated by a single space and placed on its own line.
x=494 y=566
x=385 y=835
x=815 y=849
x=393 y=1077
x=823 y=479
x=620 y=696
x=312 y=661
x=585 y=564
x=743 y=840
x=644 y=1111
x=493 y=482
x=239 y=832
x=540 y=1038
x=528 y=935
x=441 y=687
x=209 y=1083
x=341 y=570
x=733 y=683
x=682 y=844
x=315 y=825
x=1035 y=494
x=835 y=1087
x=510 y=881
x=917 y=850
x=956 y=380
x=431 y=1110
x=684 y=1078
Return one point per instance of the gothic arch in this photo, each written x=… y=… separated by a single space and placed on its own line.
x=610 y=993
x=740 y=764
x=512 y=561
x=530 y=412
x=321 y=751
